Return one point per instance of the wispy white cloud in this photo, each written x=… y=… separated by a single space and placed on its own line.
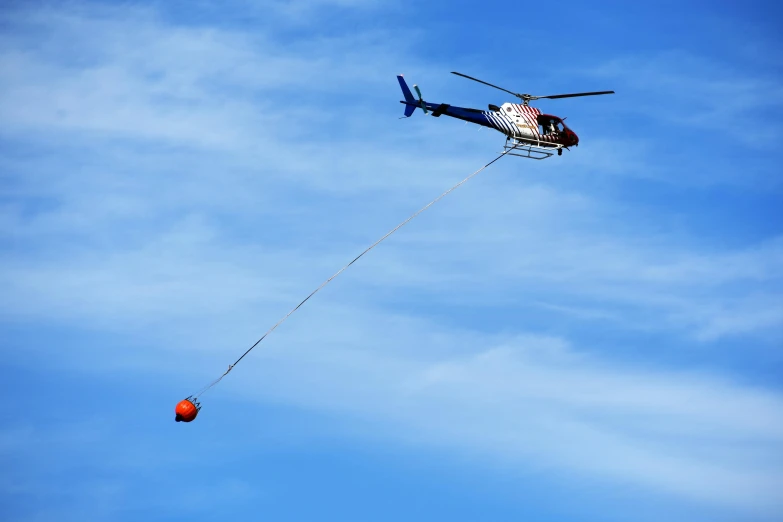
x=193 y=85
x=712 y=120
x=533 y=401
x=689 y=90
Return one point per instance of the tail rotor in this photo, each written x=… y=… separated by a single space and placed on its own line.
x=421 y=101
x=411 y=104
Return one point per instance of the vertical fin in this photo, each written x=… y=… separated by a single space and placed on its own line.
x=408 y=96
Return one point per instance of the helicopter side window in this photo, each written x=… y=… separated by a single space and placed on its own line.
x=548 y=126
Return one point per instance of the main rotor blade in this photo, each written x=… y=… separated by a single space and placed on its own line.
x=528 y=97
x=485 y=83
x=556 y=96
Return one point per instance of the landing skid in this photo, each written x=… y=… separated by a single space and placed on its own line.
x=536 y=150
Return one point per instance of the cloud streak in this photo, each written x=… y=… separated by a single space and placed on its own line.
x=530 y=400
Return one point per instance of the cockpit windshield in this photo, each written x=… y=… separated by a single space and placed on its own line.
x=549 y=125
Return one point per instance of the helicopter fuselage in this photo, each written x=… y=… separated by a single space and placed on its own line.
x=514 y=120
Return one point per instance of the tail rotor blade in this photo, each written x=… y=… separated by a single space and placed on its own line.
x=421 y=100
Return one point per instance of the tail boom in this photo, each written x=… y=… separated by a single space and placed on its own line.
x=476 y=116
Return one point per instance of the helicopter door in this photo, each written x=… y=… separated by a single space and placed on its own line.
x=523 y=127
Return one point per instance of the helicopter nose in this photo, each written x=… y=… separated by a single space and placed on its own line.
x=573 y=138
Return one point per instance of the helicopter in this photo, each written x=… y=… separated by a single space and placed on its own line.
x=529 y=133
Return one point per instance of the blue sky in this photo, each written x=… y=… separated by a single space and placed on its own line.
x=593 y=337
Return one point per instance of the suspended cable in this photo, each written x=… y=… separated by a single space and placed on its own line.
x=389 y=233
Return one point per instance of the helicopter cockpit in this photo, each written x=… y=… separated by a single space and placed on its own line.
x=549 y=125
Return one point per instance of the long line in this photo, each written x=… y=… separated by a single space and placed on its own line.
x=389 y=233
